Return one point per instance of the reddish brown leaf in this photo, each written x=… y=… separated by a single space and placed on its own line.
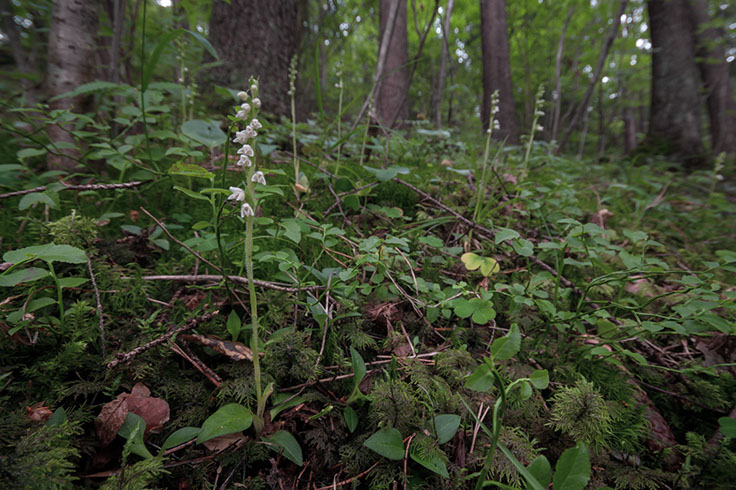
x=234 y=350
x=111 y=418
x=154 y=411
x=38 y=412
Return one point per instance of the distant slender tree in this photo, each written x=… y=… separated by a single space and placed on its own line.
x=674 y=127
x=71 y=63
x=392 y=101
x=497 y=68
x=442 y=74
x=256 y=38
x=714 y=73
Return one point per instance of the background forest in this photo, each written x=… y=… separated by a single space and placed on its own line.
x=368 y=244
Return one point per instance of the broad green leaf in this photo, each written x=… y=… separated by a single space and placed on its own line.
x=728 y=427
x=192 y=194
x=38 y=303
x=572 y=471
x=385 y=174
x=507 y=346
x=29 y=153
x=445 y=427
x=388 y=443
x=58 y=417
x=504 y=234
x=358 y=366
x=227 y=420
x=351 y=418
x=481 y=379
x=540 y=379
x=206 y=132
x=24 y=275
x=541 y=470
x=481 y=310
x=72 y=282
x=285 y=441
x=525 y=390
x=179 y=437
x=233 y=325
x=35 y=197
x=433 y=463
x=486 y=265
x=49 y=253
x=190 y=170
x=132 y=429
x=293 y=230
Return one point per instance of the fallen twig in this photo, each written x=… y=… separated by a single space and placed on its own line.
x=99 y=305
x=190 y=324
x=74 y=187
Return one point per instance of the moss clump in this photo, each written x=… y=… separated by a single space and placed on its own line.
x=290 y=359
x=581 y=412
x=75 y=230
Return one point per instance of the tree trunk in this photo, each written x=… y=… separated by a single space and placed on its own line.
x=714 y=73
x=392 y=101
x=674 y=123
x=256 y=38
x=557 y=95
x=443 y=65
x=497 y=69
x=596 y=75
x=71 y=63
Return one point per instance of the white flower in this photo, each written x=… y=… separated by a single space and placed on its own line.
x=246 y=150
x=488 y=131
x=241 y=114
x=258 y=178
x=255 y=124
x=246 y=210
x=254 y=88
x=539 y=127
x=237 y=193
x=241 y=137
x=496 y=124
x=495 y=110
x=539 y=113
x=257 y=103
x=243 y=95
x=244 y=160
x=250 y=132
x=245 y=107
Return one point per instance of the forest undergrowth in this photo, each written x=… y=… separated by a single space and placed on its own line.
x=421 y=308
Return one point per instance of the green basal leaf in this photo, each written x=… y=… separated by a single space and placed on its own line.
x=227 y=420
x=287 y=445
x=387 y=443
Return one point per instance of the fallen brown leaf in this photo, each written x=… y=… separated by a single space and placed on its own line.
x=110 y=420
x=38 y=412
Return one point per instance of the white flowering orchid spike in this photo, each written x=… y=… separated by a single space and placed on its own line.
x=241 y=137
x=257 y=103
x=244 y=161
x=250 y=133
x=246 y=150
x=255 y=124
x=237 y=193
x=243 y=95
x=246 y=210
x=259 y=178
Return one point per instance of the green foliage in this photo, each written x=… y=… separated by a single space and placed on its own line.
x=289 y=358
x=44 y=457
x=141 y=475
x=75 y=230
x=581 y=412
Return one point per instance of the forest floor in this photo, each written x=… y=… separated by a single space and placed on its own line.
x=428 y=318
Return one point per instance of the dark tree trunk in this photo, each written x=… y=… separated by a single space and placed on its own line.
x=256 y=38
x=392 y=101
x=583 y=106
x=714 y=72
x=497 y=68
x=71 y=63
x=443 y=65
x=674 y=125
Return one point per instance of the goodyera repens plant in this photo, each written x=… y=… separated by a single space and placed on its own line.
x=248 y=200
